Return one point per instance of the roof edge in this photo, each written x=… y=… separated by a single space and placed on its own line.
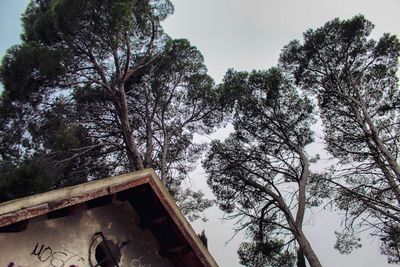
x=28 y=207
x=72 y=191
x=181 y=222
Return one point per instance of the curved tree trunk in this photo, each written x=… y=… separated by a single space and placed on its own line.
x=374 y=133
x=307 y=250
x=134 y=156
x=301 y=261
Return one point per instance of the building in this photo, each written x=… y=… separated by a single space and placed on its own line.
x=127 y=221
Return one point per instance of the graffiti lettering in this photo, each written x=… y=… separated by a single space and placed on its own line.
x=45 y=254
x=35 y=252
x=56 y=258
x=11 y=264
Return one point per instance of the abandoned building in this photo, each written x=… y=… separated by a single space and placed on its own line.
x=127 y=221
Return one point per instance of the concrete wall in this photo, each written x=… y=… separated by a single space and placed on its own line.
x=71 y=241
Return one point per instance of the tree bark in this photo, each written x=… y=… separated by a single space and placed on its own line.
x=305 y=246
x=380 y=154
x=307 y=250
x=301 y=261
x=394 y=166
x=149 y=134
x=163 y=175
x=305 y=174
x=299 y=235
x=386 y=172
x=134 y=157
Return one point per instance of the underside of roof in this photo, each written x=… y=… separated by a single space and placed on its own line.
x=142 y=190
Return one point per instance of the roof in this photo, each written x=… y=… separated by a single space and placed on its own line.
x=145 y=193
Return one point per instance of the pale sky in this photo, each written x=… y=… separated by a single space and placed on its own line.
x=246 y=35
x=249 y=34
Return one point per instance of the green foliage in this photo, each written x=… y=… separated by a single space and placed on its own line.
x=348 y=72
x=66 y=138
x=391 y=243
x=269 y=254
x=258 y=171
x=97 y=89
x=95 y=21
x=32 y=176
x=346 y=242
x=191 y=203
x=266 y=248
x=26 y=68
x=319 y=189
x=354 y=80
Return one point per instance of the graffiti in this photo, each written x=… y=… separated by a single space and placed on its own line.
x=56 y=258
x=140 y=262
x=12 y=264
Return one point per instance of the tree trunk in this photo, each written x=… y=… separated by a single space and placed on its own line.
x=373 y=131
x=301 y=261
x=380 y=154
x=305 y=174
x=149 y=136
x=388 y=175
x=307 y=250
x=164 y=157
x=304 y=245
x=134 y=157
x=133 y=151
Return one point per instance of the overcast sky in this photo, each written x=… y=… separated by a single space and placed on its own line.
x=249 y=34
x=246 y=35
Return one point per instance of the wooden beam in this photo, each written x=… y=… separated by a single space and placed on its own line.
x=15 y=227
x=61 y=212
x=178 y=249
x=97 y=202
x=155 y=221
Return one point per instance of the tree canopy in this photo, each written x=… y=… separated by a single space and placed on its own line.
x=354 y=80
x=260 y=173
x=96 y=89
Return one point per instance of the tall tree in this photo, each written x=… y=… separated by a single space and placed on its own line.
x=354 y=80
x=261 y=172
x=97 y=88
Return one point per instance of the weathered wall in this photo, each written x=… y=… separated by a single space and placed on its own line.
x=71 y=241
